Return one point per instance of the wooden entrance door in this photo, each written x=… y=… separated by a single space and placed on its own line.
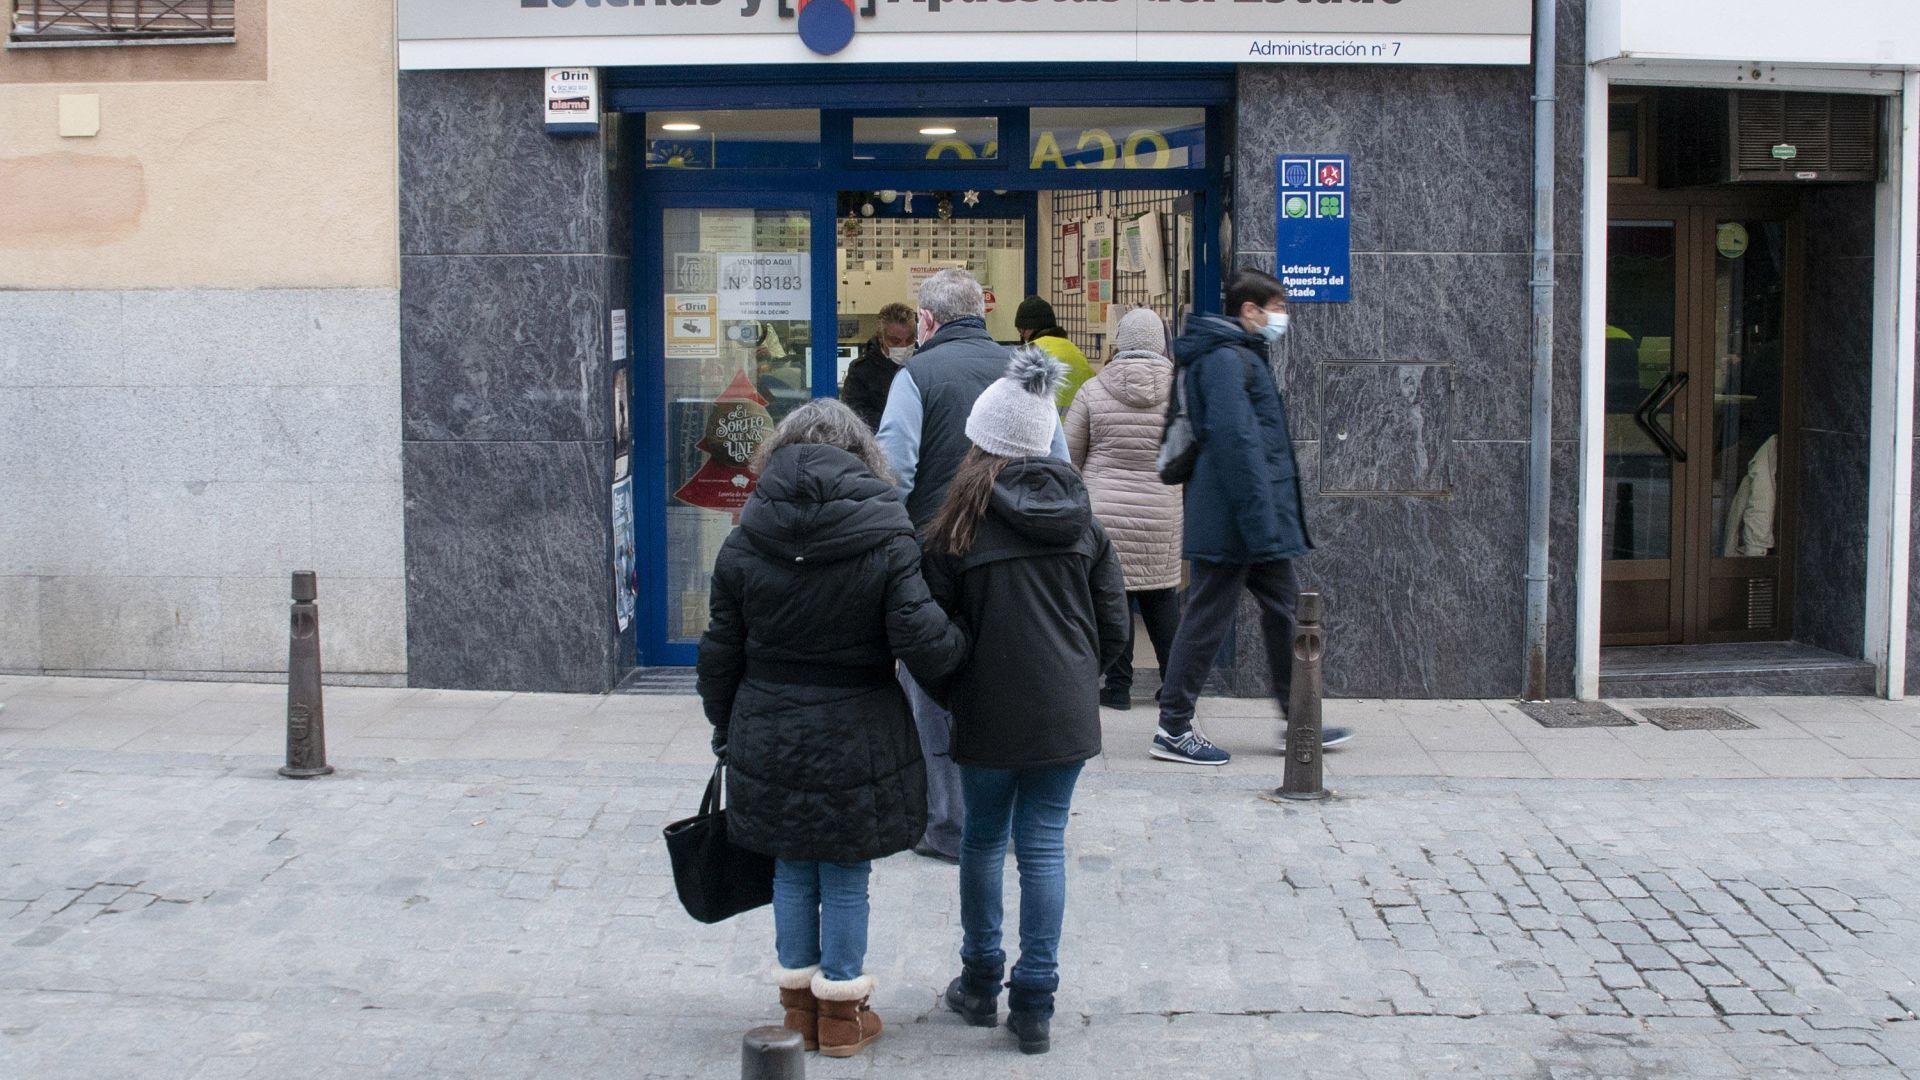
x=1702 y=358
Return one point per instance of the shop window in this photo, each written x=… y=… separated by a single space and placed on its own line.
x=902 y=140
x=129 y=22
x=734 y=139
x=1118 y=138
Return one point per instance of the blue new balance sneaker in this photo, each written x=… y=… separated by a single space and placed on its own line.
x=1188 y=748
x=1330 y=737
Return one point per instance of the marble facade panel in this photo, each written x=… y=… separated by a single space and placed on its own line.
x=1299 y=109
x=1829 y=591
x=1387 y=428
x=504 y=347
x=508 y=576
x=1471 y=311
x=480 y=175
x=1458 y=173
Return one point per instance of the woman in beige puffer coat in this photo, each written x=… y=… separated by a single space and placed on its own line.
x=1113 y=435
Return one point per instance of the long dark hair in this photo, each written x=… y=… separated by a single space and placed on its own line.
x=958 y=523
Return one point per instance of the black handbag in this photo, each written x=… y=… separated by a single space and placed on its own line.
x=715 y=879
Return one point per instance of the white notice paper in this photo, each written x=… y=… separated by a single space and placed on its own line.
x=1153 y=253
x=764 y=285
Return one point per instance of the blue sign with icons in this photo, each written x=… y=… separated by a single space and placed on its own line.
x=1313 y=221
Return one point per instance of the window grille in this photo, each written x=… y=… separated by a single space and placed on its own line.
x=121 y=21
x=1130 y=289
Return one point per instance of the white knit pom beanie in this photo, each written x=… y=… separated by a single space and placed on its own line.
x=1016 y=415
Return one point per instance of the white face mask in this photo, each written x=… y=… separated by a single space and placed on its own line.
x=1275 y=327
x=900 y=353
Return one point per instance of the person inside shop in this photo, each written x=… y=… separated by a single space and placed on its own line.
x=778 y=374
x=1113 y=433
x=815 y=594
x=1037 y=325
x=1245 y=519
x=881 y=358
x=923 y=432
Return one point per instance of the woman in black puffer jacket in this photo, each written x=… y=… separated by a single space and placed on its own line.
x=814 y=595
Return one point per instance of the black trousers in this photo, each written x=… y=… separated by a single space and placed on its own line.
x=1160 y=610
x=1213 y=595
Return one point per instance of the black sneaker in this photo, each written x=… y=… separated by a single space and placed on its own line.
x=1188 y=748
x=1116 y=697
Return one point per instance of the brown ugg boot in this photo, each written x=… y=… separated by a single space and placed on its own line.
x=796 y=996
x=846 y=1024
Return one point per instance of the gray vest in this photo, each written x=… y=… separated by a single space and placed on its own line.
x=951 y=370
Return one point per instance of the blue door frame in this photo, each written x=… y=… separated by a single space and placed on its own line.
x=1004 y=91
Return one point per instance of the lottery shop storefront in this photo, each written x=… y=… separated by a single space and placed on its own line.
x=635 y=235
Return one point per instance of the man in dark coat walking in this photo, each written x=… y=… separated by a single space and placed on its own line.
x=1245 y=519
x=924 y=435
x=881 y=358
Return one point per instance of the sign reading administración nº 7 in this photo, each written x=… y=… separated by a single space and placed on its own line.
x=610 y=33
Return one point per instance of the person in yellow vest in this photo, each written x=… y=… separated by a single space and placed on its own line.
x=1037 y=326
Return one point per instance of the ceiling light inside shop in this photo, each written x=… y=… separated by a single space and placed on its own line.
x=937 y=130
x=680 y=125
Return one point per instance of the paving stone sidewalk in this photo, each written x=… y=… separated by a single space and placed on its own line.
x=481 y=892
x=1790 y=737
x=191 y=915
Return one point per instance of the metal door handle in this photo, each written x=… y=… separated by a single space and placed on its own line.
x=1644 y=415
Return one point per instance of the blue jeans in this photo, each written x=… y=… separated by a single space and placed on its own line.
x=1031 y=805
x=820 y=916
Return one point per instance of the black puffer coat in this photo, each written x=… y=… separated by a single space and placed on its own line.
x=814 y=595
x=1042 y=591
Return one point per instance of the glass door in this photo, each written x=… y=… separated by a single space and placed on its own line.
x=1744 y=464
x=1702 y=347
x=736 y=344
x=1645 y=382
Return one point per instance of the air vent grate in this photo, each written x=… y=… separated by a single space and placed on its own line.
x=1856 y=133
x=1763 y=125
x=1833 y=135
x=1760 y=603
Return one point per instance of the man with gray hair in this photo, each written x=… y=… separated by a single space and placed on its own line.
x=924 y=435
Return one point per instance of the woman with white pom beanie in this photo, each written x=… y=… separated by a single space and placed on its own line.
x=1016 y=555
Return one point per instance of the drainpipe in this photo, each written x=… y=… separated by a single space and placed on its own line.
x=1540 y=460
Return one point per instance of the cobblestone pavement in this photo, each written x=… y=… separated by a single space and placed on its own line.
x=186 y=915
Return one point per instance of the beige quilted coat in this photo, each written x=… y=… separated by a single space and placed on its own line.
x=1113 y=434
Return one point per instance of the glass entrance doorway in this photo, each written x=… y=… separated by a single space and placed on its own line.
x=1702 y=353
x=770 y=240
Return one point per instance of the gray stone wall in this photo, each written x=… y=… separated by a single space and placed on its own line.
x=513 y=255
x=168 y=457
x=1410 y=403
x=1836 y=412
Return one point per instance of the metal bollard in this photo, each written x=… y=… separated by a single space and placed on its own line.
x=772 y=1053
x=1303 y=779
x=306 y=714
